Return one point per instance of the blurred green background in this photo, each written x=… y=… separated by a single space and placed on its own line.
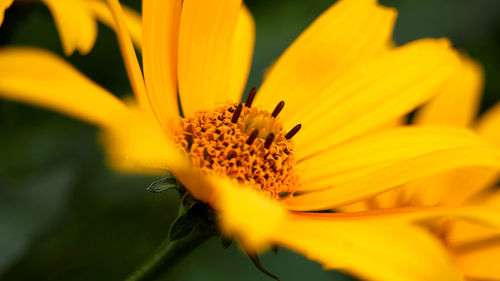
x=65 y=216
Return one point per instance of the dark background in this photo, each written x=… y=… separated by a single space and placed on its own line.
x=65 y=216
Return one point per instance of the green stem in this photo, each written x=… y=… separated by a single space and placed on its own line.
x=168 y=254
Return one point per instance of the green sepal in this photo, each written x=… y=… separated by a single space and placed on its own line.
x=166 y=183
x=275 y=249
x=226 y=241
x=194 y=216
x=256 y=261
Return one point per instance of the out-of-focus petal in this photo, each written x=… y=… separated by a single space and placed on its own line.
x=489 y=125
x=4 y=4
x=38 y=77
x=133 y=20
x=458 y=101
x=75 y=23
x=139 y=143
x=246 y=213
x=130 y=58
x=451 y=188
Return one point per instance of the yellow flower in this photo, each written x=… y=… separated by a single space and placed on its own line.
x=474 y=248
x=76 y=21
x=341 y=80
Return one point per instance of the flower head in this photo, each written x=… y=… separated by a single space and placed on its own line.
x=342 y=82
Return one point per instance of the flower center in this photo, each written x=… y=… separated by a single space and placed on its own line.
x=244 y=143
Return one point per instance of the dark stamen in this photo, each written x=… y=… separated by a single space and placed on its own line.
x=232 y=154
x=236 y=114
x=188 y=136
x=252 y=137
x=250 y=97
x=292 y=132
x=269 y=140
x=189 y=139
x=278 y=109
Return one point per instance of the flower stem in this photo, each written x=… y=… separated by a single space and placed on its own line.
x=168 y=254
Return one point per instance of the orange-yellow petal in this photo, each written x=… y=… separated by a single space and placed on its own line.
x=432 y=153
x=372 y=94
x=369 y=248
x=205 y=41
x=348 y=32
x=458 y=101
x=130 y=58
x=247 y=214
x=451 y=188
x=480 y=262
x=488 y=126
x=139 y=143
x=75 y=23
x=133 y=20
x=375 y=151
x=161 y=32
x=375 y=247
x=4 y=4
x=240 y=55
x=41 y=78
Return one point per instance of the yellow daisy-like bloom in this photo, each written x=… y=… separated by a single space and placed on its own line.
x=76 y=22
x=474 y=248
x=341 y=80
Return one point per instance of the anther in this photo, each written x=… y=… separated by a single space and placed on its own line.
x=232 y=154
x=269 y=140
x=189 y=137
x=250 y=97
x=278 y=109
x=252 y=137
x=293 y=132
x=236 y=114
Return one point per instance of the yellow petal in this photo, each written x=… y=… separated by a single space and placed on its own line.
x=489 y=125
x=476 y=249
x=4 y=4
x=456 y=104
x=458 y=101
x=161 y=31
x=138 y=143
x=41 y=78
x=348 y=32
x=247 y=214
x=369 y=153
x=374 y=164
x=133 y=20
x=369 y=248
x=481 y=263
x=131 y=64
x=75 y=23
x=372 y=94
x=240 y=55
x=450 y=188
x=380 y=245
x=205 y=40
